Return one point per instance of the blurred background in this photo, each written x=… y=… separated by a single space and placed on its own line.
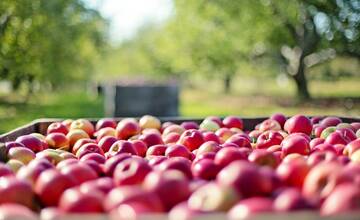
x=248 y=58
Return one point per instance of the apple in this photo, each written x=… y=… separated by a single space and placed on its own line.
x=79 y=143
x=294 y=172
x=32 y=171
x=89 y=148
x=322 y=179
x=227 y=155
x=213 y=197
x=240 y=140
x=355 y=157
x=291 y=199
x=245 y=177
x=155 y=160
x=215 y=119
x=358 y=133
x=347 y=133
x=65 y=163
x=183 y=212
x=31 y=142
x=317 y=130
x=102 y=184
x=13 y=190
x=280 y=118
x=140 y=147
x=83 y=124
x=151 y=139
x=171 y=138
x=23 y=154
x=106 y=142
x=112 y=162
x=268 y=139
x=209 y=146
x=263 y=157
x=233 y=122
x=75 y=201
x=275 y=148
x=127 y=128
x=345 y=125
x=298 y=123
x=209 y=125
x=176 y=163
x=269 y=125
x=51 y=213
x=51 y=155
x=295 y=144
x=250 y=207
x=344 y=199
x=316 y=141
x=177 y=150
x=207 y=155
x=5 y=170
x=16 y=211
x=76 y=134
x=50 y=185
x=132 y=193
x=330 y=121
x=187 y=125
x=205 y=169
x=254 y=135
x=80 y=172
x=316 y=119
x=14 y=165
x=105 y=123
x=58 y=141
x=148 y=121
x=211 y=136
x=174 y=128
x=131 y=171
x=192 y=139
x=57 y=127
x=103 y=132
x=355 y=125
x=120 y=147
x=67 y=123
x=351 y=147
x=336 y=138
x=327 y=131
x=224 y=134
x=99 y=158
x=156 y=150
x=321 y=156
x=163 y=184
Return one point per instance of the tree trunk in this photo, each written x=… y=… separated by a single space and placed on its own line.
x=227 y=83
x=301 y=81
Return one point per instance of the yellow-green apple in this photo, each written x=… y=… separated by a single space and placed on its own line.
x=148 y=121
x=215 y=119
x=209 y=125
x=23 y=154
x=327 y=131
x=355 y=157
x=14 y=165
x=209 y=146
x=51 y=155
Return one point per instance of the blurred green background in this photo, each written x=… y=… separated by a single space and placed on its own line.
x=249 y=58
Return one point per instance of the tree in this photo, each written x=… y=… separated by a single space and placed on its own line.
x=48 y=41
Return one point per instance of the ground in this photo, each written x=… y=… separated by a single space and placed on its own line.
x=248 y=98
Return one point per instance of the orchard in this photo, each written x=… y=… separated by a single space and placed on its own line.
x=143 y=166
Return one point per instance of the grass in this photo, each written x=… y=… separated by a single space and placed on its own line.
x=249 y=97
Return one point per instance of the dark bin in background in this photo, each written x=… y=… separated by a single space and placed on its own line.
x=137 y=100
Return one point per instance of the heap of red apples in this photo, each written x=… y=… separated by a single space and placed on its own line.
x=134 y=167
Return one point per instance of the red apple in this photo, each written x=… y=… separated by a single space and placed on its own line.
x=318 y=129
x=103 y=184
x=269 y=125
x=120 y=147
x=224 y=134
x=351 y=147
x=174 y=128
x=248 y=208
x=213 y=197
x=51 y=213
x=325 y=147
x=58 y=141
x=356 y=126
x=83 y=124
x=5 y=170
x=57 y=127
x=187 y=125
x=291 y=199
x=106 y=142
x=131 y=171
x=233 y=122
x=177 y=150
x=103 y=132
x=320 y=156
x=67 y=123
x=280 y=118
x=31 y=142
x=295 y=144
x=171 y=138
x=65 y=163
x=336 y=138
x=89 y=148
x=50 y=185
x=80 y=172
x=211 y=136
x=32 y=171
x=298 y=123
x=176 y=163
x=209 y=146
x=112 y=162
x=240 y=140
x=156 y=160
x=76 y=134
x=164 y=183
x=127 y=128
x=156 y=150
x=316 y=119
x=343 y=200
x=263 y=157
x=294 y=172
x=316 y=141
x=183 y=212
x=99 y=158
x=245 y=177
x=151 y=139
x=205 y=169
x=229 y=154
x=79 y=143
x=75 y=201
x=105 y=123
x=51 y=155
x=192 y=139
x=330 y=121
x=13 y=190
x=268 y=139
x=207 y=155
x=16 y=211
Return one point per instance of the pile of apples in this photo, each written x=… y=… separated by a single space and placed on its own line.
x=137 y=167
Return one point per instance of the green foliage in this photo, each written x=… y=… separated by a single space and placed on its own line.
x=48 y=41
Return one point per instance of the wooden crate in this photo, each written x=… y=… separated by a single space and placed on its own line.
x=41 y=125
